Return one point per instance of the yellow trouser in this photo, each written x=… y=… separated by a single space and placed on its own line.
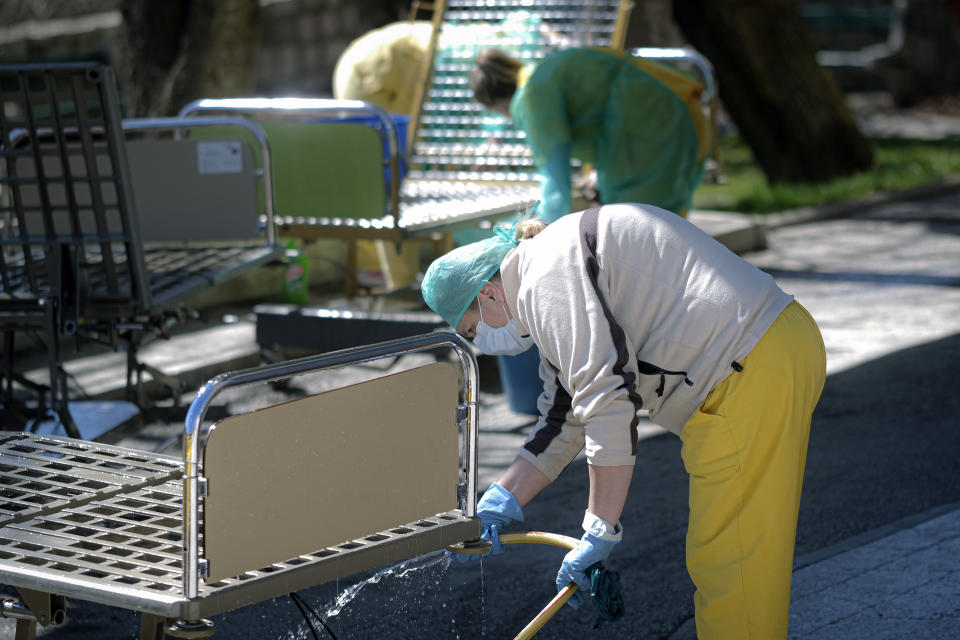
x=745 y=450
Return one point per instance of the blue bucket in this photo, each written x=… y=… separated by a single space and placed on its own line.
x=520 y=379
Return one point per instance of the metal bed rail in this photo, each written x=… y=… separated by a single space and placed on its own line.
x=195 y=435
x=683 y=54
x=304 y=107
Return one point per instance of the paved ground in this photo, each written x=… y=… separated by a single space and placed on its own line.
x=878 y=535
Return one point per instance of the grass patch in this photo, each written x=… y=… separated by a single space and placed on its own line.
x=898 y=165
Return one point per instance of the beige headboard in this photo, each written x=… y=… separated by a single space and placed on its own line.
x=326 y=469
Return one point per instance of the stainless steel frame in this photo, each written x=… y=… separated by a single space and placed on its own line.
x=691 y=56
x=195 y=436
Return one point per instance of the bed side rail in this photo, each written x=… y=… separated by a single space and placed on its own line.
x=318 y=111
x=411 y=397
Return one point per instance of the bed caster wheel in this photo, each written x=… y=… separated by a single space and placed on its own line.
x=190 y=629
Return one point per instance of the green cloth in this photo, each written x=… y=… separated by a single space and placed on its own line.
x=602 y=109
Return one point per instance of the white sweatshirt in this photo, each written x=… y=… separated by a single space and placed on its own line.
x=632 y=307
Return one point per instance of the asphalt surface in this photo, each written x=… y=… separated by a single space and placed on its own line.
x=877 y=546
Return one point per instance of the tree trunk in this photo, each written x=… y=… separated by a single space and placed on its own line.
x=182 y=50
x=652 y=25
x=928 y=64
x=787 y=108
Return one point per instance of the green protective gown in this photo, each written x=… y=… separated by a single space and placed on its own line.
x=604 y=110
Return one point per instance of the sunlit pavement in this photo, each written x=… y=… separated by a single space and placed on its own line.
x=877 y=282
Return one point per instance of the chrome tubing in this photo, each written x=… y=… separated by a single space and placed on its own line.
x=266 y=158
x=16 y=610
x=682 y=53
x=193 y=434
x=314 y=106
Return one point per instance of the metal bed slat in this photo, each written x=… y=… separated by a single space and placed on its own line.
x=16 y=195
x=174 y=272
x=4 y=272
x=92 y=173
x=57 y=552
x=38 y=469
x=105 y=458
x=429 y=205
x=72 y=206
x=31 y=122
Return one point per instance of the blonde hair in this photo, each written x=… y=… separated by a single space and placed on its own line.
x=528 y=228
x=495 y=76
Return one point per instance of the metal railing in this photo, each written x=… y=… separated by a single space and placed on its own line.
x=683 y=54
x=316 y=106
x=195 y=437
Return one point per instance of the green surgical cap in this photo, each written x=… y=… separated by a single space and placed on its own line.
x=453 y=280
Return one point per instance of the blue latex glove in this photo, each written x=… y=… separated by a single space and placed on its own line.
x=591 y=550
x=496 y=509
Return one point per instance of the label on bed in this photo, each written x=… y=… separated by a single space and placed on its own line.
x=219 y=157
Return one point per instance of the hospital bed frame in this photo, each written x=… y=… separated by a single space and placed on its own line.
x=413 y=210
x=73 y=260
x=226 y=526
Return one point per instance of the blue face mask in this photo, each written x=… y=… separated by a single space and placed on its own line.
x=501 y=341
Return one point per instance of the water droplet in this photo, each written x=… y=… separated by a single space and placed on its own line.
x=400 y=570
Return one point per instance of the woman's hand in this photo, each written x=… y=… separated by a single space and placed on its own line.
x=496 y=509
x=598 y=541
x=503 y=502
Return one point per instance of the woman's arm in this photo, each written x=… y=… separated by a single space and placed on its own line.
x=539 y=110
x=608 y=491
x=555 y=184
x=608 y=486
x=523 y=480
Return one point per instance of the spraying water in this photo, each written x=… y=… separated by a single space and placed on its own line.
x=397 y=571
x=483 y=604
x=417 y=596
